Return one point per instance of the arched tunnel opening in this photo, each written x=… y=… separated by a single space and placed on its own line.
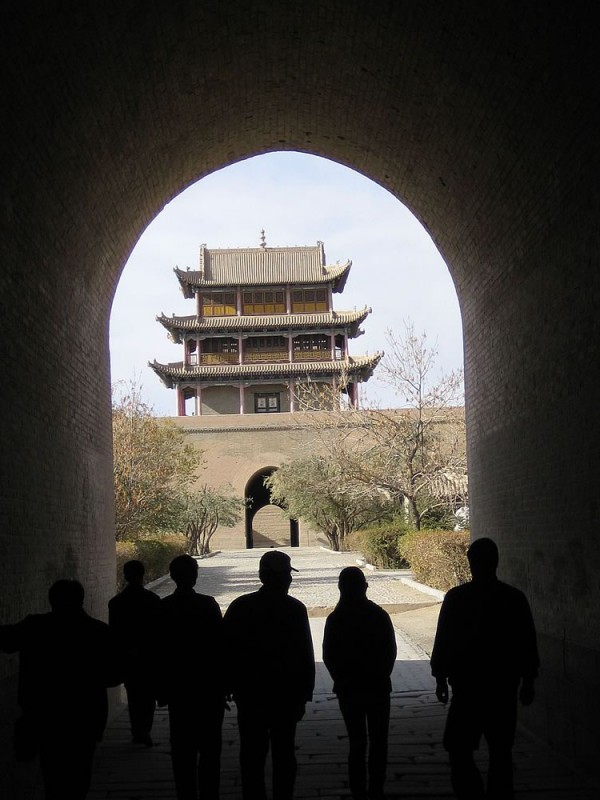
x=258 y=495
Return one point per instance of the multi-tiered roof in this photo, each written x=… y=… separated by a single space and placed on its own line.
x=262 y=266
x=263 y=316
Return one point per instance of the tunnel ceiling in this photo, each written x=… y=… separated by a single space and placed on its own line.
x=432 y=101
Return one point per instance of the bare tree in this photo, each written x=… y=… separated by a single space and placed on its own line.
x=416 y=454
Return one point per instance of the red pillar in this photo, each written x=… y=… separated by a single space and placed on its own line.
x=180 y=402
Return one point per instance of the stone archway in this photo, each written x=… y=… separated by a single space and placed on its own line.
x=478 y=116
x=257 y=497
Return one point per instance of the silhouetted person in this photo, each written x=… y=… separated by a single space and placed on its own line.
x=485 y=647
x=271 y=675
x=67 y=659
x=134 y=615
x=359 y=650
x=193 y=683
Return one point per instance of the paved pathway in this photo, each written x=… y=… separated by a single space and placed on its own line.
x=226 y=575
x=417 y=763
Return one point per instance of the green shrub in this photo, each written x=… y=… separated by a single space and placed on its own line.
x=155 y=552
x=437 y=558
x=379 y=545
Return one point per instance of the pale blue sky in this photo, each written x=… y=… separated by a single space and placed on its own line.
x=298 y=199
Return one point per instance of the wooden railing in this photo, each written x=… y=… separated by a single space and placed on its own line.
x=312 y=355
x=266 y=357
x=219 y=358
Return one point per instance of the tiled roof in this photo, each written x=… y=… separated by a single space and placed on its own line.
x=258 y=266
x=360 y=367
x=449 y=484
x=326 y=321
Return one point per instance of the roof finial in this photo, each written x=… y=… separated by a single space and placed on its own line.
x=263 y=241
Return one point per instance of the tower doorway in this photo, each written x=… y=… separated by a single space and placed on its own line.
x=271 y=531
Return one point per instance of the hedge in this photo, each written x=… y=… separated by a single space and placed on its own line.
x=437 y=558
x=379 y=546
x=155 y=552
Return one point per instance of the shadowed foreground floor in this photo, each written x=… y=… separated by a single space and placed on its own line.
x=417 y=762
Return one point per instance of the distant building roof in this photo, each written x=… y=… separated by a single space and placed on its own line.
x=360 y=368
x=262 y=266
x=447 y=483
x=271 y=322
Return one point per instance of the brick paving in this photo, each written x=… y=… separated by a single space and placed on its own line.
x=417 y=763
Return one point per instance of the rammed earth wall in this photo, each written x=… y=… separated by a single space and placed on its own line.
x=234 y=449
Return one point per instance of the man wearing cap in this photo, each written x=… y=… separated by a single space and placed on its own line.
x=270 y=674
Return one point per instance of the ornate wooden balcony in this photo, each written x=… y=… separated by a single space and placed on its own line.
x=264 y=357
x=314 y=355
x=215 y=358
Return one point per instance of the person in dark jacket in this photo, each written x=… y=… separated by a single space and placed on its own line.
x=359 y=650
x=134 y=615
x=485 y=648
x=192 y=683
x=271 y=675
x=67 y=660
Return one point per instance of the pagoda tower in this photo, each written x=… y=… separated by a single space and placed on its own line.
x=264 y=326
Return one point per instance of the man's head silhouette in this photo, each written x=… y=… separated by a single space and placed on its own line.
x=133 y=571
x=184 y=571
x=66 y=596
x=352 y=583
x=483 y=559
x=275 y=570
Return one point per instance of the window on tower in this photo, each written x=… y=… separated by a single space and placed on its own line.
x=309 y=301
x=220 y=346
x=218 y=304
x=270 y=301
x=219 y=351
x=313 y=342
